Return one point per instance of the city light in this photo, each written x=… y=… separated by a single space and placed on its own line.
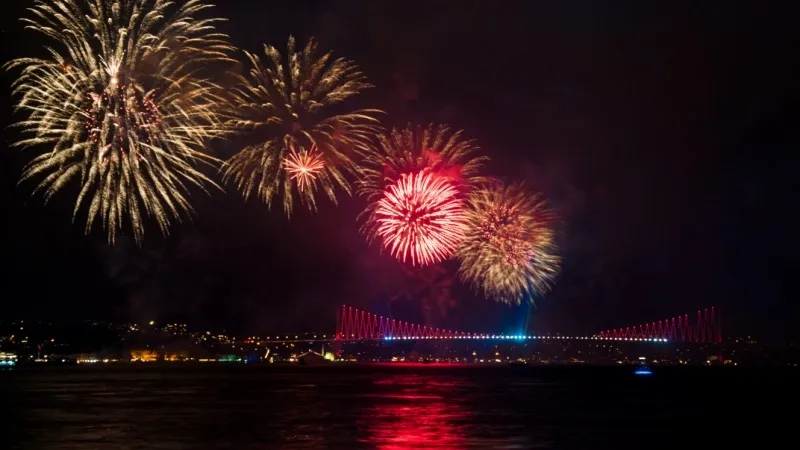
x=512 y=337
x=8 y=359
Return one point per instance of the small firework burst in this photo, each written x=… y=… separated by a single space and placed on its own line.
x=421 y=218
x=508 y=252
x=289 y=101
x=304 y=166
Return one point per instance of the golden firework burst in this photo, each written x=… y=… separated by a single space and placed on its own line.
x=509 y=251
x=121 y=106
x=286 y=105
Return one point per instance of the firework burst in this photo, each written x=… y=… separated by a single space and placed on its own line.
x=397 y=162
x=434 y=148
x=121 y=105
x=304 y=167
x=421 y=218
x=509 y=249
x=285 y=105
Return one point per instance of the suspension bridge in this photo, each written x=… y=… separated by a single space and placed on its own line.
x=353 y=324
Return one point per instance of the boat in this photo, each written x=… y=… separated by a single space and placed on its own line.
x=643 y=370
x=311 y=358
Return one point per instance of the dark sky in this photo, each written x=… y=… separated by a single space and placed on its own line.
x=664 y=133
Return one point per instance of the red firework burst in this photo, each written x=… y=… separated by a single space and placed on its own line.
x=421 y=216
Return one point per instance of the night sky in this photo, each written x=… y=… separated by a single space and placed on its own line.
x=664 y=136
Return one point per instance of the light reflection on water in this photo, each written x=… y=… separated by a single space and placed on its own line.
x=390 y=408
x=412 y=411
x=423 y=412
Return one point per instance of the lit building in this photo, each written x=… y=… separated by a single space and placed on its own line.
x=144 y=355
x=8 y=359
x=87 y=358
x=152 y=356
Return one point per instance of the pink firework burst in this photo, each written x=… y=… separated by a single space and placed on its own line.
x=421 y=217
x=304 y=166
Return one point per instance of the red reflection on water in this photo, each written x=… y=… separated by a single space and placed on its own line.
x=414 y=414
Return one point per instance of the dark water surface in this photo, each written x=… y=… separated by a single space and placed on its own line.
x=391 y=407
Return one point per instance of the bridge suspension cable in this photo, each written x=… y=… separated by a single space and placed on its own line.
x=705 y=328
x=357 y=324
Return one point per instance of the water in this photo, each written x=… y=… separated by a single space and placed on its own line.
x=386 y=407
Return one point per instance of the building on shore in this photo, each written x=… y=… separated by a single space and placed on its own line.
x=148 y=355
x=8 y=359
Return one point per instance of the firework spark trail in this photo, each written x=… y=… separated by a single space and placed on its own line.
x=508 y=252
x=289 y=101
x=421 y=217
x=122 y=106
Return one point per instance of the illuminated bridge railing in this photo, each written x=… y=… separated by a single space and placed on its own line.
x=706 y=328
x=511 y=337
